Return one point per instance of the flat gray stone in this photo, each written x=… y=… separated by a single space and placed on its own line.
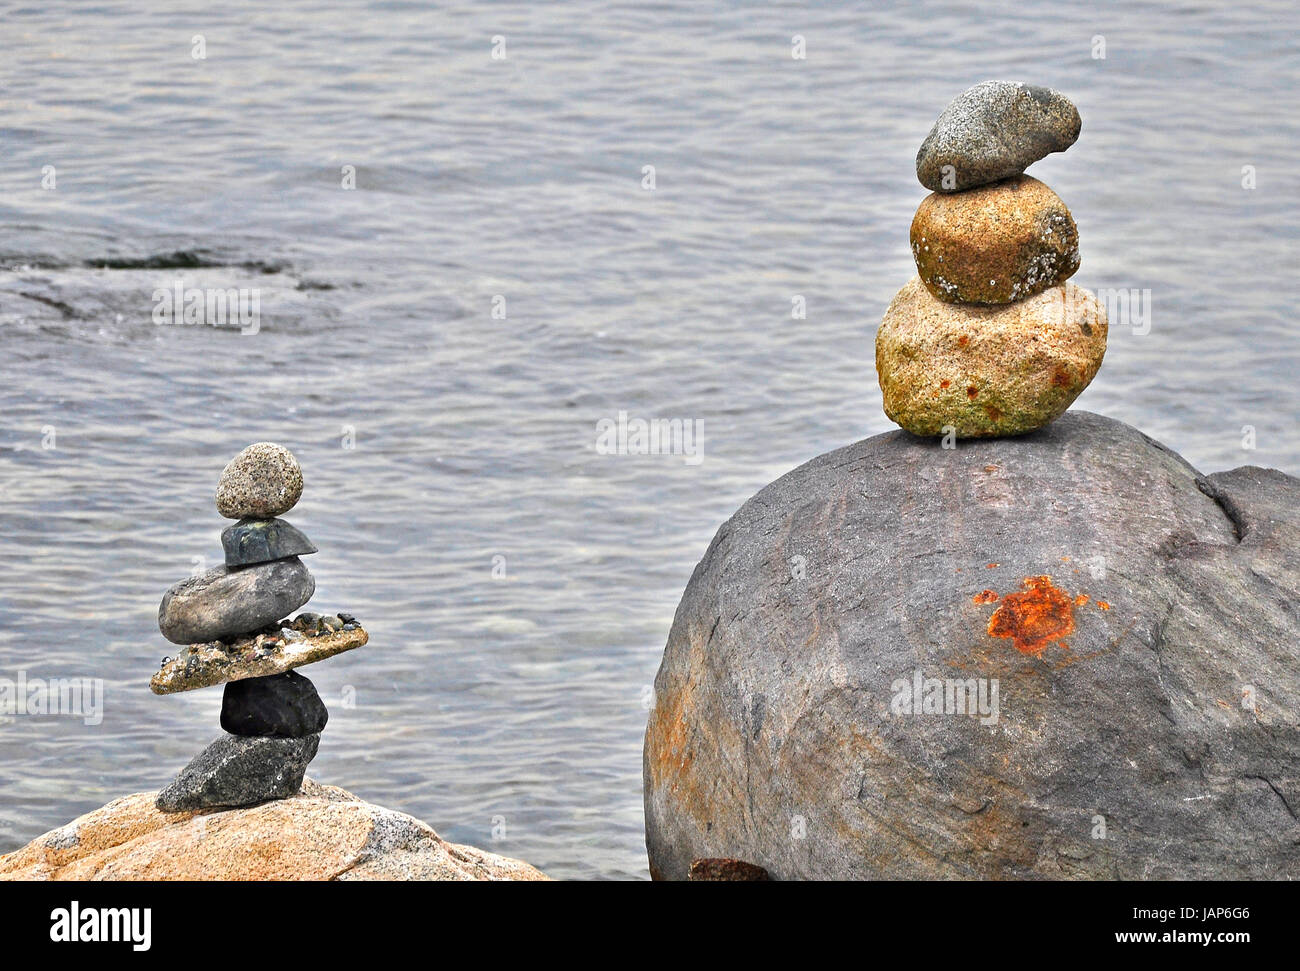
x=995 y=130
x=1139 y=620
x=263 y=540
x=240 y=770
x=227 y=602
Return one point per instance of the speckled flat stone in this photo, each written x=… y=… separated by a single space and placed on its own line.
x=256 y=656
x=992 y=131
x=995 y=244
x=261 y=482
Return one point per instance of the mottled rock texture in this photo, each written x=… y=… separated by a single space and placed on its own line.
x=227 y=602
x=996 y=244
x=255 y=656
x=240 y=771
x=263 y=540
x=1157 y=698
x=322 y=833
x=994 y=130
x=280 y=705
x=261 y=482
x=985 y=371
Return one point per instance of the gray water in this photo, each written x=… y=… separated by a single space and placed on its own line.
x=508 y=711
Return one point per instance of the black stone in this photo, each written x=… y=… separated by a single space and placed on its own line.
x=262 y=540
x=279 y=705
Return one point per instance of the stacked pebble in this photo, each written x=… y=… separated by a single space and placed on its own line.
x=230 y=620
x=989 y=338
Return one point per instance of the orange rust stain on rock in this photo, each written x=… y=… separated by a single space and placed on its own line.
x=1103 y=605
x=1035 y=617
x=985 y=597
x=963 y=340
x=991 y=566
x=1061 y=378
x=944 y=384
x=995 y=414
x=1080 y=600
x=972 y=391
x=666 y=738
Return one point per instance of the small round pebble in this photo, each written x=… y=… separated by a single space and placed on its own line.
x=262 y=481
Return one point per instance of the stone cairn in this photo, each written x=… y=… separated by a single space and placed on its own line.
x=989 y=338
x=230 y=620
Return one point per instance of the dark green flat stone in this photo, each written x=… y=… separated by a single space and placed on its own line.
x=263 y=540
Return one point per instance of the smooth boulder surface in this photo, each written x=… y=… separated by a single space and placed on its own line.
x=281 y=705
x=321 y=833
x=983 y=371
x=995 y=244
x=263 y=540
x=1139 y=620
x=227 y=602
x=240 y=771
x=261 y=482
x=992 y=131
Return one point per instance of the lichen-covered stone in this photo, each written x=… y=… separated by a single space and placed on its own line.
x=981 y=371
x=1146 y=725
x=261 y=482
x=227 y=602
x=280 y=705
x=992 y=131
x=263 y=540
x=995 y=244
x=258 y=655
x=321 y=833
x=240 y=770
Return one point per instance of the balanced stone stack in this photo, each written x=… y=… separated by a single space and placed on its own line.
x=989 y=338
x=231 y=620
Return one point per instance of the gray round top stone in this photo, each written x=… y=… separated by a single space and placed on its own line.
x=993 y=131
x=261 y=482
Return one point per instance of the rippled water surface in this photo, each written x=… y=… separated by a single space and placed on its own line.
x=508 y=711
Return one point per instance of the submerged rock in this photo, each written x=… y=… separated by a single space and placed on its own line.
x=261 y=482
x=992 y=131
x=996 y=244
x=240 y=771
x=263 y=540
x=321 y=833
x=282 y=705
x=226 y=602
x=983 y=371
x=255 y=656
x=1063 y=655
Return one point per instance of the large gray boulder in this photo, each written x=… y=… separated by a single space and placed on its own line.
x=1126 y=629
